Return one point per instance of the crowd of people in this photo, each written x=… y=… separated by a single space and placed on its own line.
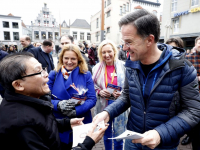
x=143 y=86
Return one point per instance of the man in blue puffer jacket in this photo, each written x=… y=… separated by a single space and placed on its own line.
x=161 y=88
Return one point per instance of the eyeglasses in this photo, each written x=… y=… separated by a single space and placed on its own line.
x=126 y=43
x=43 y=73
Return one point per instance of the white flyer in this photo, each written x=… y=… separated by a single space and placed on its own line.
x=129 y=135
x=80 y=132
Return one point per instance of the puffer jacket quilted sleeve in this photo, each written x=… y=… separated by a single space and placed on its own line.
x=189 y=116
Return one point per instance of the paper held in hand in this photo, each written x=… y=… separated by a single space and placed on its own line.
x=111 y=88
x=80 y=132
x=129 y=135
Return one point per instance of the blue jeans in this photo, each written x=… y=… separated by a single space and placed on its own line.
x=136 y=146
x=118 y=144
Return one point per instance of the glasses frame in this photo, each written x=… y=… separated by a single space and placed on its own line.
x=126 y=43
x=43 y=69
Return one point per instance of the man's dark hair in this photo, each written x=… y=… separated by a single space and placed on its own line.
x=47 y=43
x=13 y=67
x=177 y=40
x=145 y=22
x=68 y=36
x=198 y=38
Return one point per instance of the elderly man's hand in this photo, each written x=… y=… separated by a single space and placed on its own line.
x=97 y=135
x=151 y=139
x=76 y=122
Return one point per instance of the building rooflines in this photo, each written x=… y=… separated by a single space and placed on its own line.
x=80 y=23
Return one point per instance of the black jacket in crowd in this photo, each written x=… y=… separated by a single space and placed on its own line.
x=27 y=123
x=44 y=58
x=87 y=61
x=27 y=48
x=122 y=55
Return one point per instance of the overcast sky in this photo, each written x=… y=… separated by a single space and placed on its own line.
x=28 y=10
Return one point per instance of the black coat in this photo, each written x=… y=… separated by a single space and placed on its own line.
x=42 y=58
x=27 y=123
x=27 y=48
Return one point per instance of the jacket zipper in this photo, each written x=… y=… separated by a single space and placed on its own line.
x=144 y=106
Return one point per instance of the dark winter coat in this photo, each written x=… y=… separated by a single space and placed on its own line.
x=91 y=56
x=45 y=59
x=27 y=123
x=167 y=100
x=27 y=48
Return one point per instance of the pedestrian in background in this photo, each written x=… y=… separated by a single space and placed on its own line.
x=109 y=70
x=26 y=43
x=194 y=135
x=122 y=55
x=92 y=55
x=161 y=88
x=175 y=41
x=11 y=49
x=42 y=54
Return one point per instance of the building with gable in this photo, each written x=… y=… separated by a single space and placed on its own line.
x=80 y=30
x=45 y=27
x=181 y=19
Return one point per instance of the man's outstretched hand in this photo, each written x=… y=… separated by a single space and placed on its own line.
x=151 y=139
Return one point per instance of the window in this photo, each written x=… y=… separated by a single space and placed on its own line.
x=195 y=2
x=47 y=13
x=45 y=22
x=56 y=35
x=16 y=35
x=120 y=11
x=52 y=22
x=81 y=36
x=176 y=25
x=75 y=35
x=127 y=7
x=15 y=25
x=97 y=36
x=124 y=9
x=105 y=4
x=44 y=13
x=108 y=30
x=43 y=35
x=88 y=36
x=97 y=25
x=50 y=35
x=36 y=34
x=5 y=24
x=6 y=35
x=174 y=5
x=108 y=13
x=38 y=21
x=109 y=2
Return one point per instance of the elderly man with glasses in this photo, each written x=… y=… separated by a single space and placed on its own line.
x=26 y=119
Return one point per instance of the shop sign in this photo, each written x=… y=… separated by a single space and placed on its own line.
x=181 y=13
x=195 y=10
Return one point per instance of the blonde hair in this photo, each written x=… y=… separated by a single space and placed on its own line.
x=102 y=44
x=81 y=61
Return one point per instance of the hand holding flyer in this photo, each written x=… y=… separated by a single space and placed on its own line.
x=80 y=132
x=111 y=88
x=129 y=135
